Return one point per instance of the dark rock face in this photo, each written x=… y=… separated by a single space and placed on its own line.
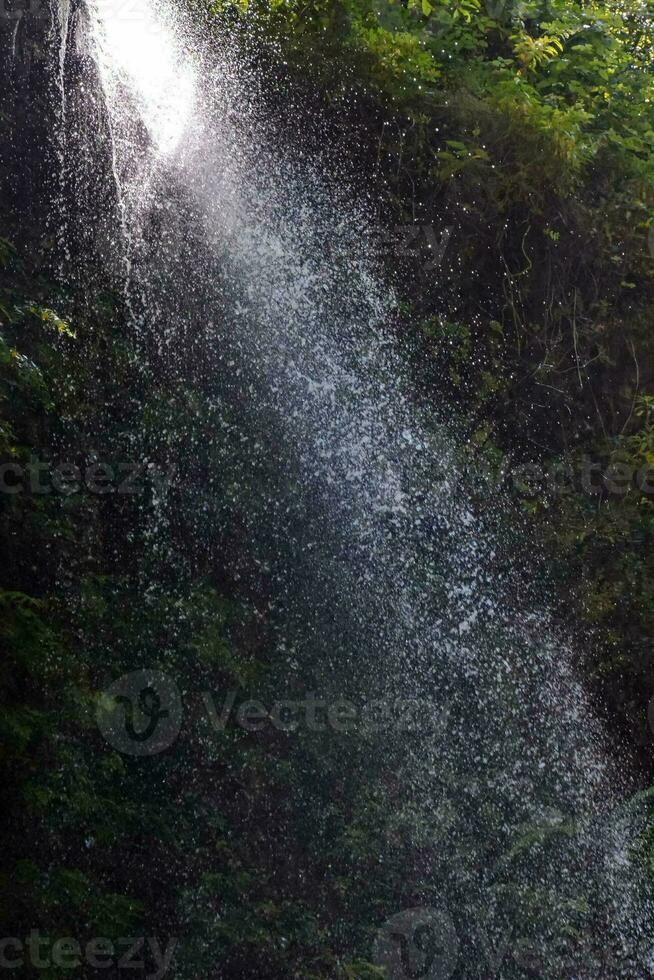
x=57 y=191
x=26 y=153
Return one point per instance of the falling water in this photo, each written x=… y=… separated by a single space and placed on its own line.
x=382 y=570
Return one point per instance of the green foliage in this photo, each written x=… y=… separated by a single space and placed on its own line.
x=525 y=127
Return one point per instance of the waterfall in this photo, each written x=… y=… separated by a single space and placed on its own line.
x=384 y=574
